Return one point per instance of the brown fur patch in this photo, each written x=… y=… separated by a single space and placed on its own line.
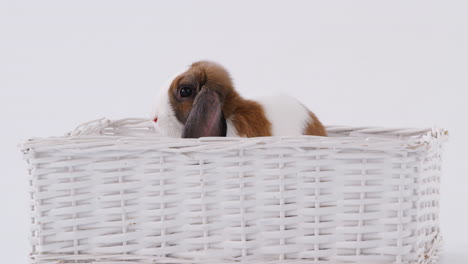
x=315 y=127
x=247 y=117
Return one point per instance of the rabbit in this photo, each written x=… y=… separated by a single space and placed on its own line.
x=202 y=102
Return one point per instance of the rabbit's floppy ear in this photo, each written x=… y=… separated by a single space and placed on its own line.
x=206 y=118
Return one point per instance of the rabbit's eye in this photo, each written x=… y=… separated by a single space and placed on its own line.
x=185 y=91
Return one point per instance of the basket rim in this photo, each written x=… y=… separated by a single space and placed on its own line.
x=365 y=137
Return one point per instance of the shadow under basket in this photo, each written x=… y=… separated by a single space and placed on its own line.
x=116 y=192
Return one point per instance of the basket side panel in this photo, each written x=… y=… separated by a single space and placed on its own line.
x=106 y=202
x=297 y=204
x=258 y=202
x=378 y=197
x=428 y=231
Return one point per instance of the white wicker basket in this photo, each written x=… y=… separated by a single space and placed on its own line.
x=115 y=192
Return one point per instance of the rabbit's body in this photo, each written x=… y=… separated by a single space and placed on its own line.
x=202 y=102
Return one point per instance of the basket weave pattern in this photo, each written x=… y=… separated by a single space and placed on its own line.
x=115 y=192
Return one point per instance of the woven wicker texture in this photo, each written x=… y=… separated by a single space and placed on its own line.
x=115 y=192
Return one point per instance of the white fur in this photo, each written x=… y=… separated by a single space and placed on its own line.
x=231 y=130
x=287 y=115
x=168 y=124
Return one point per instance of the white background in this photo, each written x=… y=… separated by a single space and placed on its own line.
x=376 y=63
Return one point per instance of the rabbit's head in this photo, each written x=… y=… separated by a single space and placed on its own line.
x=191 y=104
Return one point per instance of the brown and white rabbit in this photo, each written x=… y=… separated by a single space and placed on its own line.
x=202 y=102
